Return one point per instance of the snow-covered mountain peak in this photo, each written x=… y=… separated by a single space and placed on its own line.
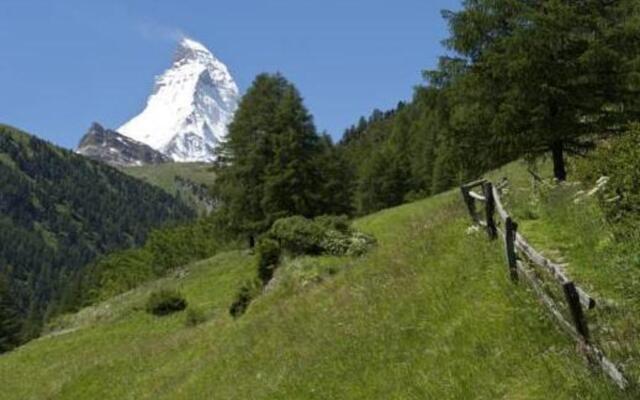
x=190 y=49
x=190 y=107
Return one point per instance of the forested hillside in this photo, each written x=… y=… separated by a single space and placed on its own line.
x=58 y=212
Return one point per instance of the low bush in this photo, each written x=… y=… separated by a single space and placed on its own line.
x=248 y=291
x=338 y=223
x=331 y=235
x=618 y=159
x=308 y=270
x=268 y=251
x=359 y=244
x=335 y=243
x=165 y=302
x=298 y=235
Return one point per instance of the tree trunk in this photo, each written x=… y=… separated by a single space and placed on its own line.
x=252 y=241
x=559 y=168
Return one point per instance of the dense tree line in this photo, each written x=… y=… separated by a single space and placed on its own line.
x=526 y=78
x=58 y=212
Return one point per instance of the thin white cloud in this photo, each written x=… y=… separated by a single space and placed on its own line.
x=152 y=30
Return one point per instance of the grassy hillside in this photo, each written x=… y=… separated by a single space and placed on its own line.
x=429 y=313
x=190 y=181
x=569 y=226
x=164 y=175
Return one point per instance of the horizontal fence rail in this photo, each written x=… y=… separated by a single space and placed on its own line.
x=554 y=269
x=477 y=196
x=523 y=260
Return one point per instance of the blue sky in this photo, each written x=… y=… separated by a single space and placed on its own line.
x=67 y=63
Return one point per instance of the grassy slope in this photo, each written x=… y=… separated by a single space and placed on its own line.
x=576 y=233
x=163 y=175
x=430 y=313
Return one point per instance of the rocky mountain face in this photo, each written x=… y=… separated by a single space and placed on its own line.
x=115 y=149
x=190 y=106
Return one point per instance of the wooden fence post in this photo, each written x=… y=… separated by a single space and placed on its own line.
x=511 y=228
x=490 y=209
x=575 y=307
x=470 y=203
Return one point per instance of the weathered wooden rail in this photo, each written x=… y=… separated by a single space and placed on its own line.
x=523 y=260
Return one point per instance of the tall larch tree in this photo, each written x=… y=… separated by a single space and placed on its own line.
x=561 y=71
x=268 y=163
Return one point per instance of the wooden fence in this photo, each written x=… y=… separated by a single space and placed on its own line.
x=525 y=263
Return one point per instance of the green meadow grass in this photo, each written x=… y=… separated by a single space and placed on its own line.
x=575 y=232
x=429 y=313
x=163 y=175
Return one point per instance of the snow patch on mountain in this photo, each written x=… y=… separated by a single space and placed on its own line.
x=190 y=107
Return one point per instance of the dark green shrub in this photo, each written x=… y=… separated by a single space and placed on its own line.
x=195 y=316
x=323 y=235
x=298 y=235
x=338 y=223
x=268 y=251
x=335 y=243
x=353 y=244
x=359 y=244
x=165 y=302
x=248 y=291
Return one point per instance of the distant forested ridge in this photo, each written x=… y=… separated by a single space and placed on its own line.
x=58 y=212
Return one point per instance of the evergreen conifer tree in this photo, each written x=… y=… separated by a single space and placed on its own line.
x=560 y=70
x=269 y=161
